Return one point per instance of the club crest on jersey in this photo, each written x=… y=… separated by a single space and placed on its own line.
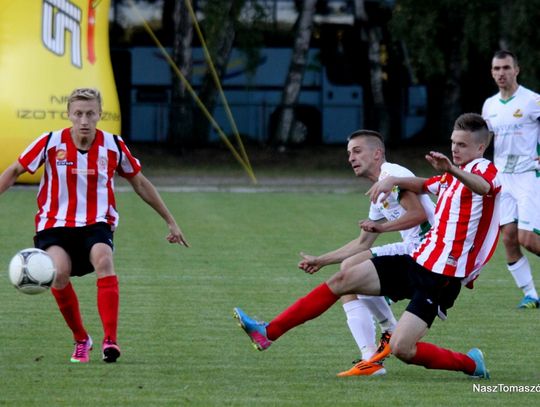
x=518 y=113
x=102 y=163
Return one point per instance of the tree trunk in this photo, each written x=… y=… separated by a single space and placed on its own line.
x=291 y=91
x=181 y=109
x=382 y=121
x=222 y=44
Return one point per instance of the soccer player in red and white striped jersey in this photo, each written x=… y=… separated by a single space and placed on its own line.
x=459 y=244
x=77 y=215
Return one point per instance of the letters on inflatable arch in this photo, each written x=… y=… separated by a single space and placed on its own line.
x=47 y=49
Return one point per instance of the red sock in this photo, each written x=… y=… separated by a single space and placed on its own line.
x=432 y=357
x=107 y=302
x=304 y=309
x=69 y=307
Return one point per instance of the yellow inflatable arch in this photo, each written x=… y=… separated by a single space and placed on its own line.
x=47 y=49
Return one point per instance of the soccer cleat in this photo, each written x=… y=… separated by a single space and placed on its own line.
x=81 y=354
x=529 y=302
x=383 y=351
x=364 y=368
x=256 y=330
x=110 y=351
x=481 y=371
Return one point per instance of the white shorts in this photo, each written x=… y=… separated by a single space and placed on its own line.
x=392 y=249
x=520 y=200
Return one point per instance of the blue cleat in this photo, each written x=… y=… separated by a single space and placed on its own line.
x=529 y=302
x=481 y=371
x=256 y=330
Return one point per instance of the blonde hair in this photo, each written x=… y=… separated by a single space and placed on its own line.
x=85 y=94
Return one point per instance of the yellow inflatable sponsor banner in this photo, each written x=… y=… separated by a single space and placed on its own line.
x=47 y=49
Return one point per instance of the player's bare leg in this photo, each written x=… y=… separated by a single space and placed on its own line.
x=518 y=264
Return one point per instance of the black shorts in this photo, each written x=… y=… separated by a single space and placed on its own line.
x=77 y=242
x=431 y=294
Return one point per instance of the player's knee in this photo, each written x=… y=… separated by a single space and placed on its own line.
x=402 y=349
x=104 y=266
x=530 y=241
x=346 y=264
x=338 y=282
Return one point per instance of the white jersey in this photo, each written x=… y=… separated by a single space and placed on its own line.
x=517 y=130
x=390 y=209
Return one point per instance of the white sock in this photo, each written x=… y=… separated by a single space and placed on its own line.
x=362 y=327
x=381 y=311
x=521 y=271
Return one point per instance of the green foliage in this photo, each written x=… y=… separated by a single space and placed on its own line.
x=248 y=35
x=435 y=32
x=181 y=345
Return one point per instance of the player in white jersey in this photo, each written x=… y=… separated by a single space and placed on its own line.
x=410 y=214
x=461 y=241
x=513 y=115
x=77 y=214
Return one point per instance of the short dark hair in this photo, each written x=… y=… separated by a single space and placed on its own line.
x=364 y=133
x=475 y=124
x=503 y=53
x=376 y=138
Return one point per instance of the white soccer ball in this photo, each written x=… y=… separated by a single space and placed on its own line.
x=32 y=271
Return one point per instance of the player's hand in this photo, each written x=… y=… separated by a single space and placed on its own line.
x=309 y=264
x=384 y=187
x=439 y=161
x=176 y=236
x=369 y=226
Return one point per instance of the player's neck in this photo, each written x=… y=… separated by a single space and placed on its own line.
x=507 y=93
x=83 y=141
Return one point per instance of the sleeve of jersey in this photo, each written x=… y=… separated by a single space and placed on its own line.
x=432 y=185
x=535 y=108
x=130 y=166
x=374 y=213
x=34 y=155
x=487 y=170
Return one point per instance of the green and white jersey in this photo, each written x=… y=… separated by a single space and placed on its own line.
x=391 y=209
x=517 y=130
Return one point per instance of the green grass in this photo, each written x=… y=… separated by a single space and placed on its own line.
x=181 y=345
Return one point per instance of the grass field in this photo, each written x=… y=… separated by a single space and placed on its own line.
x=181 y=345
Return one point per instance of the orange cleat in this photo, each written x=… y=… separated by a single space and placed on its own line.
x=383 y=351
x=364 y=368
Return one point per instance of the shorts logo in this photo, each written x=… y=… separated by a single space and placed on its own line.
x=518 y=113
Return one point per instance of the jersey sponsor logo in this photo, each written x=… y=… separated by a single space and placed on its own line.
x=83 y=171
x=61 y=155
x=518 y=113
x=451 y=261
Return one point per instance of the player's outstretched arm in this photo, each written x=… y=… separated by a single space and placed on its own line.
x=146 y=190
x=384 y=186
x=474 y=182
x=10 y=175
x=311 y=264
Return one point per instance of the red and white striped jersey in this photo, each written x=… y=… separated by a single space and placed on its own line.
x=77 y=188
x=466 y=229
